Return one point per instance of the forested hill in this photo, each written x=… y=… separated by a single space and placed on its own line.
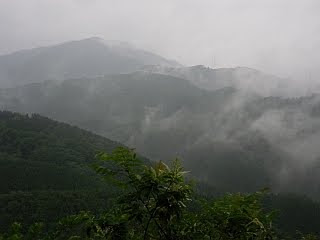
x=227 y=138
x=45 y=175
x=45 y=170
x=37 y=153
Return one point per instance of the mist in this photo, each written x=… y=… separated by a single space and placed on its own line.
x=244 y=86
x=278 y=37
x=172 y=119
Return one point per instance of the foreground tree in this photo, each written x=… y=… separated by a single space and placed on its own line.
x=156 y=202
x=155 y=198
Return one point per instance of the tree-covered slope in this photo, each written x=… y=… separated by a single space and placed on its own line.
x=116 y=106
x=45 y=175
x=156 y=200
x=45 y=171
x=37 y=153
x=232 y=139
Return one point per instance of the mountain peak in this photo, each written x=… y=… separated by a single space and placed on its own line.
x=88 y=57
x=109 y=42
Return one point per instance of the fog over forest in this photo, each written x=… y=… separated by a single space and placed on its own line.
x=232 y=88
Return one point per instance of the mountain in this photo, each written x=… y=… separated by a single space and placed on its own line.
x=45 y=176
x=232 y=139
x=121 y=107
x=88 y=57
x=236 y=129
x=41 y=154
x=219 y=121
x=241 y=78
x=45 y=170
x=94 y=57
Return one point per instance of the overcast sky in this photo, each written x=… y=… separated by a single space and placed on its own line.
x=277 y=36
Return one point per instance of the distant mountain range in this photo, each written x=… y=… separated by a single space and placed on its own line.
x=83 y=58
x=235 y=141
x=236 y=128
x=95 y=57
x=241 y=78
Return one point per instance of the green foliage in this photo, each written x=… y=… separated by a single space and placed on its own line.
x=154 y=202
x=50 y=206
x=35 y=231
x=235 y=216
x=295 y=212
x=46 y=154
x=156 y=197
x=309 y=237
x=45 y=173
x=158 y=202
x=119 y=167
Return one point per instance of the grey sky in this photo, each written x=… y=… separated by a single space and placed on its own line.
x=277 y=36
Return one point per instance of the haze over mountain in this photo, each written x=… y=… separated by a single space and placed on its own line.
x=45 y=176
x=160 y=119
x=97 y=57
x=236 y=122
x=88 y=57
x=233 y=139
x=246 y=79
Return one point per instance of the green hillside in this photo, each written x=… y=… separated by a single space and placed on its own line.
x=45 y=175
x=231 y=139
x=45 y=172
x=41 y=154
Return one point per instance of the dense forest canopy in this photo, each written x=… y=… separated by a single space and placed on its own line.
x=46 y=155
x=46 y=174
x=158 y=203
x=45 y=169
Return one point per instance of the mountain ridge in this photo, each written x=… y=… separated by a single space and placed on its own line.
x=164 y=116
x=243 y=78
x=81 y=58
